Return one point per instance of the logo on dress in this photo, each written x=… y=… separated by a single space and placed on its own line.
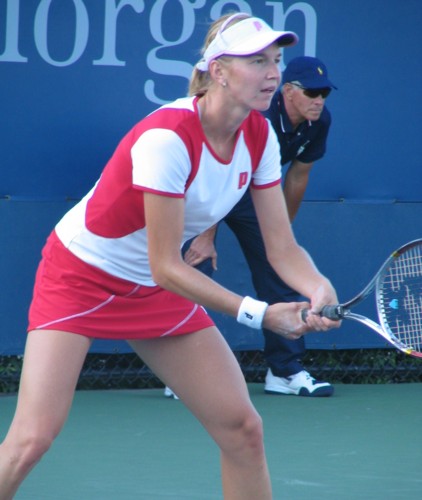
x=243 y=179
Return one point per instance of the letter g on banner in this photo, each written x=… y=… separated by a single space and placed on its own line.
x=169 y=67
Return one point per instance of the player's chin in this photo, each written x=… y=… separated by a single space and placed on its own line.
x=264 y=101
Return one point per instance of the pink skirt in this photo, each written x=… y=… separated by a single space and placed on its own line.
x=73 y=296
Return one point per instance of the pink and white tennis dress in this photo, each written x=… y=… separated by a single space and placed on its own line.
x=95 y=278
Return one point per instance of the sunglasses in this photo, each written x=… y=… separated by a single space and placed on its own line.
x=313 y=93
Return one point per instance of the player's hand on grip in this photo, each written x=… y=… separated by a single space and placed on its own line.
x=285 y=319
x=317 y=322
x=323 y=295
x=289 y=320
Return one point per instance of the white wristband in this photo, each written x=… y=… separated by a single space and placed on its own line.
x=251 y=312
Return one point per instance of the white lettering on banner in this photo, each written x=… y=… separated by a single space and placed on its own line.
x=279 y=21
x=174 y=67
x=41 y=24
x=11 y=50
x=169 y=67
x=41 y=31
x=218 y=8
x=112 y=10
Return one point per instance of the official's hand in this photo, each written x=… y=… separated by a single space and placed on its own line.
x=202 y=248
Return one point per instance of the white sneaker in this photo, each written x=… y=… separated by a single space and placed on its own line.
x=168 y=393
x=299 y=384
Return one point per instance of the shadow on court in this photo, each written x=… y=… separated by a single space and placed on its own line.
x=363 y=443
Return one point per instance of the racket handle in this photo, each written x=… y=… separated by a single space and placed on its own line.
x=331 y=312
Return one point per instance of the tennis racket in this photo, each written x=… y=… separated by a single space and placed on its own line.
x=398 y=295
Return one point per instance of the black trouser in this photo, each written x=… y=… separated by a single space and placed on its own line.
x=283 y=356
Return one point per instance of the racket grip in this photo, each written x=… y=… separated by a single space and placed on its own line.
x=331 y=312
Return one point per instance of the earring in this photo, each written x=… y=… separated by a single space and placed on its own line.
x=224 y=83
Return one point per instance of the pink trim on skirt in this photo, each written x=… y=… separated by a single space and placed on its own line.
x=73 y=296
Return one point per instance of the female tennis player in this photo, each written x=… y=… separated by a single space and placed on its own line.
x=112 y=267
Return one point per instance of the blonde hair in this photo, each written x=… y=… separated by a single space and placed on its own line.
x=200 y=81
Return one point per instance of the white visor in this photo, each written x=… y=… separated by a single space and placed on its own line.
x=244 y=38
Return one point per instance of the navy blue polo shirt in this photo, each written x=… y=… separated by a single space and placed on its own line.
x=308 y=142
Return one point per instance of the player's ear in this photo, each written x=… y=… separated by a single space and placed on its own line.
x=217 y=72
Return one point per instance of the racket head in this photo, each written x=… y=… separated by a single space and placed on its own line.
x=399 y=297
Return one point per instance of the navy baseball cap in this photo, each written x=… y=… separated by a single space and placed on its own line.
x=310 y=72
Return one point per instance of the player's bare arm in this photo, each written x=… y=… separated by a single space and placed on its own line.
x=164 y=216
x=289 y=260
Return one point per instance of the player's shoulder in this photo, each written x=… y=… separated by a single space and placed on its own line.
x=171 y=115
x=256 y=134
x=179 y=118
x=256 y=123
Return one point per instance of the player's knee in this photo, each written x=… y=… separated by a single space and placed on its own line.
x=253 y=432
x=37 y=446
x=247 y=435
x=28 y=449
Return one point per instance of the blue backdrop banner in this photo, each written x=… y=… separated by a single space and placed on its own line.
x=75 y=75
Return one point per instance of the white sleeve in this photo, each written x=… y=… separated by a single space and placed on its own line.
x=269 y=168
x=160 y=162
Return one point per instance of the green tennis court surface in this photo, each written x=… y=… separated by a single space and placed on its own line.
x=363 y=443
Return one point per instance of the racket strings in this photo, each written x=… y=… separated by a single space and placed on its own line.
x=400 y=298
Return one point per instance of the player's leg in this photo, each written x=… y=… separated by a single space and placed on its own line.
x=206 y=268
x=52 y=364
x=205 y=374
